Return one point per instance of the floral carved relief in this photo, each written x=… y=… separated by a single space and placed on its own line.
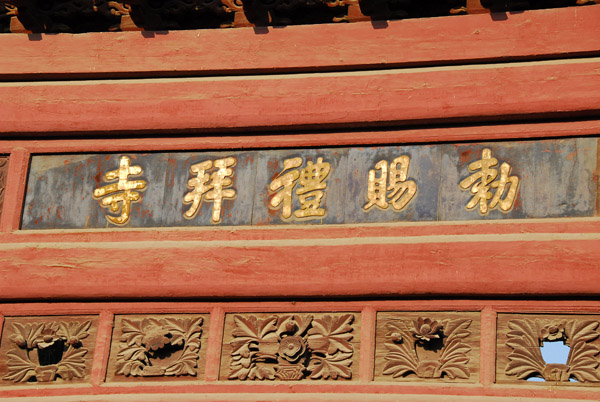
x=47 y=351
x=427 y=346
x=526 y=337
x=291 y=347
x=154 y=346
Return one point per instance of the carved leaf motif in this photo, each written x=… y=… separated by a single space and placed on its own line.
x=331 y=366
x=261 y=373
x=73 y=332
x=20 y=368
x=454 y=359
x=401 y=360
x=72 y=364
x=26 y=332
x=253 y=329
x=132 y=332
x=583 y=362
x=526 y=358
x=457 y=328
x=330 y=334
x=581 y=331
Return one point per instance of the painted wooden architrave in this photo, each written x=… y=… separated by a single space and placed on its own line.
x=211 y=387
x=540 y=34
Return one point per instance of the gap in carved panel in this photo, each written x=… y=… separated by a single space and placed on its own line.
x=291 y=346
x=3 y=174
x=557 y=349
x=427 y=346
x=158 y=347
x=555 y=352
x=47 y=350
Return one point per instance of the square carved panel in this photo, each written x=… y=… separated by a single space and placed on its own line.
x=291 y=346
x=158 y=347
x=47 y=350
x=552 y=348
x=427 y=346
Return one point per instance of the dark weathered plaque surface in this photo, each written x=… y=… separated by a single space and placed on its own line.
x=556 y=179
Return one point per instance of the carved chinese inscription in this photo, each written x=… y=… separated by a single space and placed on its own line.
x=3 y=174
x=47 y=351
x=119 y=196
x=213 y=187
x=157 y=346
x=427 y=346
x=401 y=191
x=291 y=347
x=310 y=192
x=525 y=337
x=486 y=178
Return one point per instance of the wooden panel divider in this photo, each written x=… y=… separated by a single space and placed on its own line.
x=14 y=193
x=368 y=321
x=214 y=346
x=102 y=349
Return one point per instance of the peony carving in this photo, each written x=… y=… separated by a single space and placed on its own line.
x=159 y=347
x=47 y=351
x=525 y=337
x=427 y=348
x=291 y=347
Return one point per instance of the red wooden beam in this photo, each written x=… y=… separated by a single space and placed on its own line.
x=451 y=40
x=498 y=92
x=448 y=264
x=313 y=140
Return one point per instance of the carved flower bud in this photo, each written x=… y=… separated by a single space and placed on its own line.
x=73 y=341
x=396 y=337
x=290 y=326
x=19 y=341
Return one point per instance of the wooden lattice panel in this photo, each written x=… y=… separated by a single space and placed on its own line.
x=427 y=346
x=521 y=337
x=158 y=347
x=47 y=350
x=291 y=347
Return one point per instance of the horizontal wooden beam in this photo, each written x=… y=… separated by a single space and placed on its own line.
x=406 y=96
x=318 y=395
x=434 y=41
x=532 y=130
x=552 y=263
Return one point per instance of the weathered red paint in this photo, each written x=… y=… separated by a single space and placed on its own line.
x=537 y=34
x=495 y=92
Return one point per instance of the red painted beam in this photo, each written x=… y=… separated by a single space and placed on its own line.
x=313 y=140
x=452 y=265
x=432 y=41
x=305 y=100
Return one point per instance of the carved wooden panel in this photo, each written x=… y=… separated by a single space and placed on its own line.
x=158 y=347
x=427 y=346
x=47 y=349
x=522 y=337
x=3 y=174
x=290 y=347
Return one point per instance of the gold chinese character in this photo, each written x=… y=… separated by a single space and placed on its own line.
x=401 y=191
x=483 y=180
x=210 y=187
x=124 y=185
x=310 y=193
x=312 y=180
